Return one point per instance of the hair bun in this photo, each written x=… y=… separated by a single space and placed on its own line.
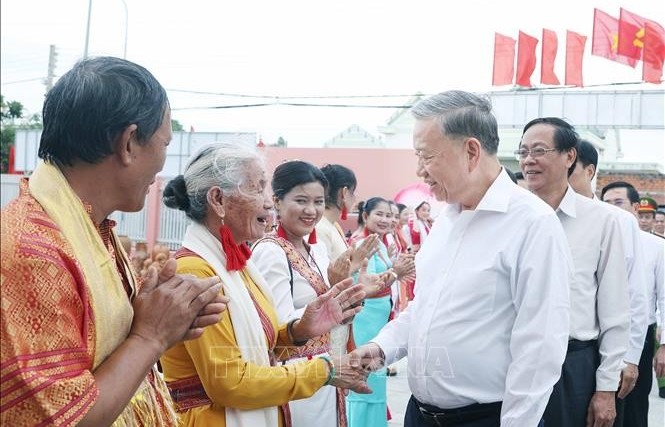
x=175 y=194
x=361 y=206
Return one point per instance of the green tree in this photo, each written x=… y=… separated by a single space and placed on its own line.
x=176 y=126
x=281 y=142
x=9 y=113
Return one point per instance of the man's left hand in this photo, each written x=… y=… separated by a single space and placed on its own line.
x=628 y=379
x=602 y=410
x=659 y=362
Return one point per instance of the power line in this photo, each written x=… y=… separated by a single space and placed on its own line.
x=22 y=81
x=244 y=95
x=280 y=99
x=290 y=104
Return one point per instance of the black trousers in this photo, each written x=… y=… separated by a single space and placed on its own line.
x=636 y=404
x=571 y=395
x=413 y=418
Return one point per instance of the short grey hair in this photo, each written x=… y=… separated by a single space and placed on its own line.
x=220 y=164
x=461 y=114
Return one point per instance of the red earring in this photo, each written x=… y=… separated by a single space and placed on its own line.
x=236 y=256
x=312 y=237
x=345 y=212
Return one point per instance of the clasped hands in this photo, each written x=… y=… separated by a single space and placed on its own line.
x=172 y=307
x=352 y=369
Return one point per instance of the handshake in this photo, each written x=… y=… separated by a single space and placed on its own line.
x=352 y=369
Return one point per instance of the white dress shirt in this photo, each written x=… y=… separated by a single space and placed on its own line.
x=490 y=318
x=599 y=299
x=637 y=284
x=654 y=255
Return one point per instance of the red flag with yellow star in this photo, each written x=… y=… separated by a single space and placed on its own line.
x=654 y=52
x=631 y=34
x=605 y=38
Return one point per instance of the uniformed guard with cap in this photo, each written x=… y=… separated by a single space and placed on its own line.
x=647 y=213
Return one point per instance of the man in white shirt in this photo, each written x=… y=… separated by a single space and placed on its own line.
x=487 y=331
x=600 y=318
x=581 y=181
x=636 y=412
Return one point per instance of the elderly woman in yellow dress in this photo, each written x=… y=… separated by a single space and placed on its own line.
x=228 y=376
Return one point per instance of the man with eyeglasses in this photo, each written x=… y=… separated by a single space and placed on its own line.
x=599 y=322
x=486 y=333
x=624 y=195
x=638 y=357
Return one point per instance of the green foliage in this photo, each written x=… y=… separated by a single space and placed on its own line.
x=281 y=142
x=9 y=112
x=7 y=135
x=176 y=126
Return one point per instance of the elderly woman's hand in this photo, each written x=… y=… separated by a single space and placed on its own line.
x=329 y=310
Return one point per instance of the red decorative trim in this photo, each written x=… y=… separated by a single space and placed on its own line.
x=84 y=406
x=300 y=264
x=92 y=396
x=43 y=354
x=52 y=379
x=188 y=393
x=58 y=364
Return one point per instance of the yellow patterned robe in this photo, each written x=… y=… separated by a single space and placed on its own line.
x=228 y=380
x=48 y=323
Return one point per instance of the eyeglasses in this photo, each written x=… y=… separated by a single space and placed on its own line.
x=534 y=152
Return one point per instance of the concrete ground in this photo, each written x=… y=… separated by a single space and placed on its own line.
x=398 y=396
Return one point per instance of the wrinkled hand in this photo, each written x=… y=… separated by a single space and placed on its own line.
x=329 y=310
x=370 y=356
x=602 y=410
x=628 y=379
x=350 y=374
x=364 y=251
x=170 y=307
x=340 y=269
x=659 y=362
x=405 y=266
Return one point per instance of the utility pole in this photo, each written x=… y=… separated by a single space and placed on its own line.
x=87 y=30
x=52 y=59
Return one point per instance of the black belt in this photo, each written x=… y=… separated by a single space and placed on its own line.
x=576 y=345
x=450 y=417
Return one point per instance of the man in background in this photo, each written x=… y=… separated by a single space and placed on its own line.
x=600 y=317
x=626 y=197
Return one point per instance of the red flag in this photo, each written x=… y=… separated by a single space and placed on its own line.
x=548 y=55
x=605 y=41
x=526 y=59
x=574 y=55
x=11 y=169
x=504 y=60
x=653 y=53
x=631 y=34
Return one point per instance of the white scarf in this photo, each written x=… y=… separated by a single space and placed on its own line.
x=247 y=327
